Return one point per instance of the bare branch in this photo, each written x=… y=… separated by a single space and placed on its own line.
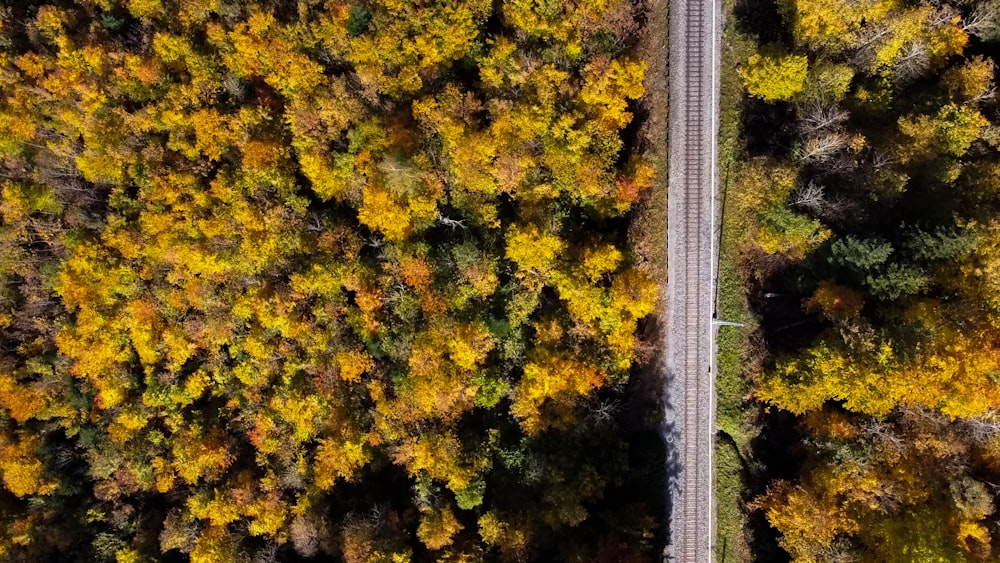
x=451 y=223
x=881 y=158
x=914 y=62
x=817 y=117
x=982 y=429
x=822 y=147
x=943 y=15
x=882 y=433
x=809 y=197
x=983 y=19
x=985 y=96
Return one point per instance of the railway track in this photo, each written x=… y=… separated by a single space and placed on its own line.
x=689 y=394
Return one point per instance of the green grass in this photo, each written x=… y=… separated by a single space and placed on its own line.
x=731 y=384
x=731 y=545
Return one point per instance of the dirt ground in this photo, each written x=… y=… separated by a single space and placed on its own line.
x=648 y=230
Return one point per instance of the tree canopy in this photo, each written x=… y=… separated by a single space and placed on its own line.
x=874 y=225
x=290 y=279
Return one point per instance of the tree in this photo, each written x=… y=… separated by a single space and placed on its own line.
x=970 y=81
x=533 y=250
x=438 y=527
x=952 y=131
x=836 y=302
x=860 y=255
x=608 y=85
x=22 y=470
x=215 y=544
x=553 y=382
x=826 y=83
x=909 y=470
x=958 y=127
x=809 y=525
x=773 y=75
x=785 y=231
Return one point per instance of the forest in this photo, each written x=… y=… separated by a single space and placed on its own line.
x=345 y=280
x=869 y=177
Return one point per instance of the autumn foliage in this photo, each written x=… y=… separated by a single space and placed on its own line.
x=317 y=278
x=872 y=259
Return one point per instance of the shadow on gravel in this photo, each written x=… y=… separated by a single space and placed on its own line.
x=670 y=436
